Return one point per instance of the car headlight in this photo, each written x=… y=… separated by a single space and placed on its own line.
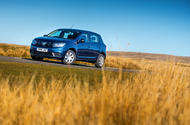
x=34 y=42
x=58 y=44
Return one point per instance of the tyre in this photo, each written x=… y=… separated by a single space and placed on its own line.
x=37 y=58
x=100 y=61
x=69 y=58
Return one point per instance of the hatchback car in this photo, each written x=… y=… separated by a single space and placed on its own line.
x=70 y=45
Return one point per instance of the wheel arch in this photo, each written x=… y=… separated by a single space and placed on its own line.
x=73 y=49
x=103 y=54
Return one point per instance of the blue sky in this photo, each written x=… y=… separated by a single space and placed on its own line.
x=153 y=26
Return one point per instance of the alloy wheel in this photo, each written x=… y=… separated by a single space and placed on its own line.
x=69 y=57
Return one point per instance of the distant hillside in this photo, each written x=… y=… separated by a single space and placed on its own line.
x=23 y=51
x=150 y=56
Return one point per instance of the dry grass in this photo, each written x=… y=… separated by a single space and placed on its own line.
x=14 y=50
x=162 y=97
x=119 y=62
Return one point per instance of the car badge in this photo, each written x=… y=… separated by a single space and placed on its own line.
x=44 y=43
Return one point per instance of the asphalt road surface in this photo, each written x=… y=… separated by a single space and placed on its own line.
x=54 y=63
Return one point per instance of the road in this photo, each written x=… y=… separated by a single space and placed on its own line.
x=54 y=63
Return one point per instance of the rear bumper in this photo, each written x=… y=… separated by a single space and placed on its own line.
x=57 y=53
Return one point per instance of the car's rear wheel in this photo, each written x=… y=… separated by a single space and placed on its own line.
x=70 y=57
x=37 y=58
x=100 y=61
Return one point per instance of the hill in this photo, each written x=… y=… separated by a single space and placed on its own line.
x=117 y=59
x=149 y=56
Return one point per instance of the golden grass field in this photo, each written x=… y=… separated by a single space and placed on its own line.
x=159 y=96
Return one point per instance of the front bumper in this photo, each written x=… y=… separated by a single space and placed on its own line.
x=58 y=53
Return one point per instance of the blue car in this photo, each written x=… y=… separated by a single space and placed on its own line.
x=70 y=45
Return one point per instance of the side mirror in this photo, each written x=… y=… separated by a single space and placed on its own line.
x=82 y=41
x=45 y=35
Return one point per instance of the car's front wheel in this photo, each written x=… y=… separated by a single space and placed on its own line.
x=69 y=58
x=100 y=61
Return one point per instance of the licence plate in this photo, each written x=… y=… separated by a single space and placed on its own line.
x=42 y=50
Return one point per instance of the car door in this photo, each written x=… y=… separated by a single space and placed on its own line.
x=83 y=47
x=94 y=45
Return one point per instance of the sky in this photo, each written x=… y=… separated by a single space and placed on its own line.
x=151 y=26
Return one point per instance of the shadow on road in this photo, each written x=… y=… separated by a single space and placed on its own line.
x=56 y=62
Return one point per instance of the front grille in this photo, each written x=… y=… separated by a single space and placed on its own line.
x=46 y=44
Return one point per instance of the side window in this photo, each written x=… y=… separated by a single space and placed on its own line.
x=85 y=37
x=67 y=35
x=94 y=39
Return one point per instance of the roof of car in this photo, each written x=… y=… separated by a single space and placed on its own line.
x=84 y=31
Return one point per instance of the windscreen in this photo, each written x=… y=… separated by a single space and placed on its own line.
x=66 y=34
